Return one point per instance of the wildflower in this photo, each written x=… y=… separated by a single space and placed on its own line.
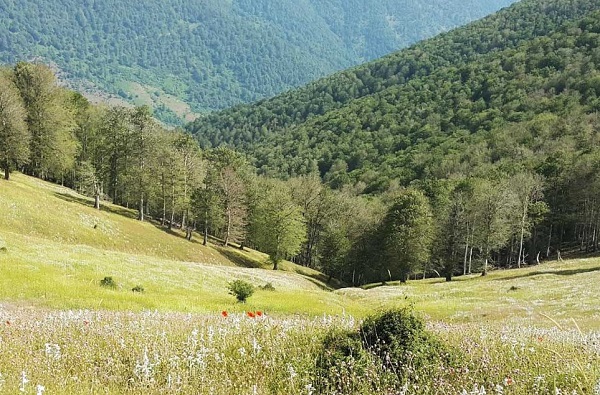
x=24 y=381
x=251 y=314
x=508 y=381
x=7 y=323
x=52 y=351
x=259 y=313
x=40 y=389
x=224 y=314
x=86 y=322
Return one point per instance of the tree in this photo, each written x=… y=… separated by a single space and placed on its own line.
x=14 y=135
x=405 y=236
x=493 y=204
x=453 y=229
x=528 y=189
x=114 y=152
x=277 y=225
x=49 y=119
x=317 y=208
x=226 y=174
x=143 y=143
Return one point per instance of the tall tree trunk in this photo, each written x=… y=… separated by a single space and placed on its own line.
x=172 y=206
x=228 y=228
x=470 y=260
x=164 y=199
x=523 y=219
x=141 y=213
x=466 y=255
x=549 y=242
x=6 y=171
x=205 y=241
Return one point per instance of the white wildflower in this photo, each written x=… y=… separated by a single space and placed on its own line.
x=255 y=346
x=292 y=372
x=40 y=389
x=52 y=351
x=24 y=381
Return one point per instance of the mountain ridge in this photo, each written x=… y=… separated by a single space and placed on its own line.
x=213 y=55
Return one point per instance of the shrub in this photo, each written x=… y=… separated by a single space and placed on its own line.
x=241 y=289
x=268 y=287
x=402 y=344
x=341 y=363
x=138 y=288
x=108 y=282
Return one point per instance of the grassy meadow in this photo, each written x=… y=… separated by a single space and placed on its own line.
x=530 y=331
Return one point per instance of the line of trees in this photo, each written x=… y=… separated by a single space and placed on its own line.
x=444 y=227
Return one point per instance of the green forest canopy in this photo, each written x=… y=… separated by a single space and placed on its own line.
x=214 y=54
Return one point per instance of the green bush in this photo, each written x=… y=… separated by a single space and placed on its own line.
x=341 y=363
x=241 y=289
x=108 y=282
x=402 y=344
x=268 y=287
x=138 y=288
x=392 y=348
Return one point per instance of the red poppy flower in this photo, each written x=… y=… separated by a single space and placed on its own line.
x=251 y=314
x=224 y=314
x=259 y=313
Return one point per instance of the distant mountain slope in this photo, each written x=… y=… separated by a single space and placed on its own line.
x=387 y=117
x=214 y=54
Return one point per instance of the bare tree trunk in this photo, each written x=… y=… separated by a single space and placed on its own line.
x=228 y=229
x=471 y=260
x=205 y=241
x=466 y=253
x=549 y=242
x=6 y=171
x=141 y=213
x=523 y=219
x=164 y=199
x=172 y=206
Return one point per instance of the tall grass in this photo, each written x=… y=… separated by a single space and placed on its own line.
x=76 y=352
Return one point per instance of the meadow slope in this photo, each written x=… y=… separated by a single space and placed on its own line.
x=525 y=331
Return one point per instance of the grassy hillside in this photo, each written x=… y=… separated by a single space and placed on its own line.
x=53 y=256
x=213 y=54
x=56 y=249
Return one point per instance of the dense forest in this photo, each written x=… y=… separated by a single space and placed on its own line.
x=214 y=54
x=495 y=123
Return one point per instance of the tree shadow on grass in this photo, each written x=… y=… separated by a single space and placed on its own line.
x=103 y=207
x=564 y=272
x=238 y=259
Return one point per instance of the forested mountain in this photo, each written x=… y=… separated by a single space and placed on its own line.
x=426 y=110
x=214 y=54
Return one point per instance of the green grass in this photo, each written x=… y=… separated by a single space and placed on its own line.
x=537 y=326
x=58 y=248
x=538 y=295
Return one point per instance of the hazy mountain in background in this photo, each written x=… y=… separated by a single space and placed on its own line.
x=213 y=54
